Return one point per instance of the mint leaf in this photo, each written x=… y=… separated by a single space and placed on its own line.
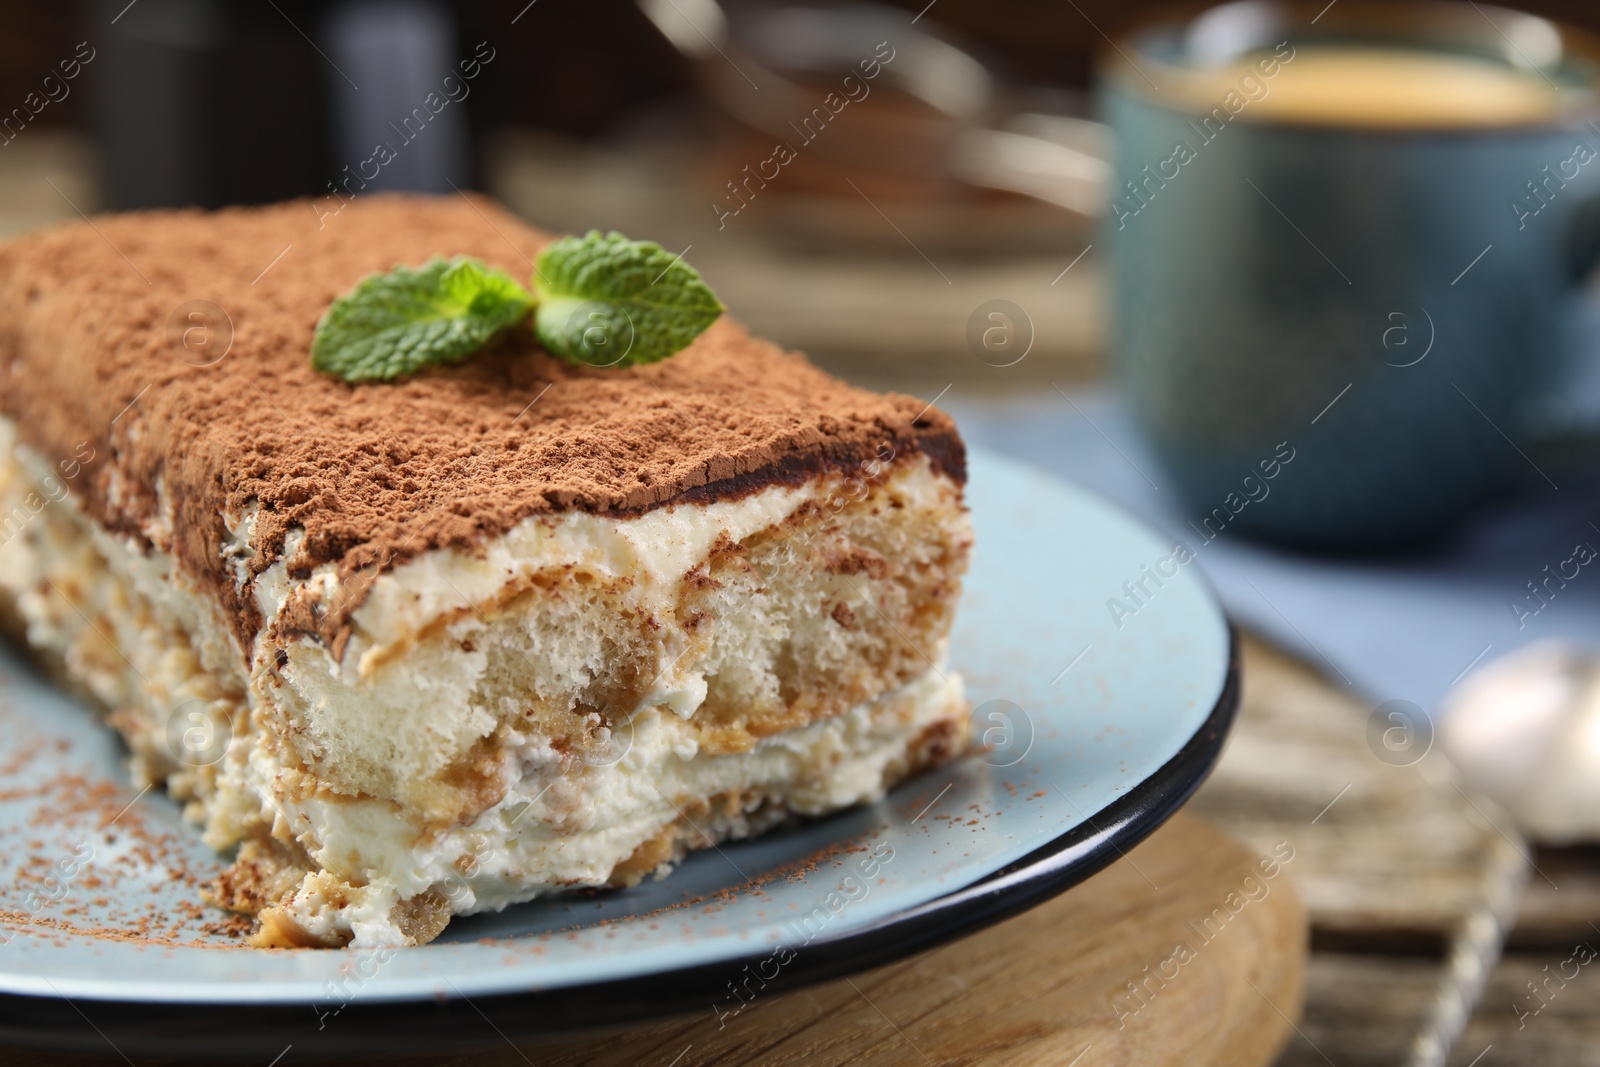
x=606 y=301
x=602 y=301
x=397 y=323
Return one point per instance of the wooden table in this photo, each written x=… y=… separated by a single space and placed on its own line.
x=1398 y=867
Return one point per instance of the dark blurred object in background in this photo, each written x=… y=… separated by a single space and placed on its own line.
x=203 y=102
x=207 y=102
x=404 y=56
x=578 y=67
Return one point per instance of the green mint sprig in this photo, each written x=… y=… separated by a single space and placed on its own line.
x=598 y=300
x=608 y=300
x=397 y=323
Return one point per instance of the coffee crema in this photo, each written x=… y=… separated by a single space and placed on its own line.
x=1399 y=88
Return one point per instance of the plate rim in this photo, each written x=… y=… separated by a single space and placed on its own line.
x=429 y=1025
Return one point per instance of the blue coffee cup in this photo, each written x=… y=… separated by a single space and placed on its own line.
x=1343 y=319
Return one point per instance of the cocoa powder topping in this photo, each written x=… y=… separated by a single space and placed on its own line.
x=95 y=358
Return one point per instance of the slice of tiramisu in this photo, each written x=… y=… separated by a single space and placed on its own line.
x=493 y=628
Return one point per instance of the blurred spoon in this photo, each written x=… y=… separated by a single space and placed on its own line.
x=1525 y=728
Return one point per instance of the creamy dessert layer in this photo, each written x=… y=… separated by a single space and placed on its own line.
x=574 y=704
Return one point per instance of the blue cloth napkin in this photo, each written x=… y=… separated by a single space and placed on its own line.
x=1395 y=628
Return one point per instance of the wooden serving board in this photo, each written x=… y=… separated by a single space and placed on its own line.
x=1048 y=988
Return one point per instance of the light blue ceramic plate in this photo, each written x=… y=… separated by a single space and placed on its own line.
x=1100 y=724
